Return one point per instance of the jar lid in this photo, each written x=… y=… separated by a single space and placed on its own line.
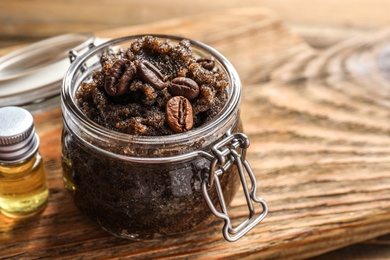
x=34 y=73
x=18 y=140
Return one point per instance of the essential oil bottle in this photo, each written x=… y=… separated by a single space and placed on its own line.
x=23 y=185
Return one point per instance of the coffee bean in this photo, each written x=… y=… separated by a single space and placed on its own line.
x=148 y=73
x=185 y=87
x=119 y=77
x=179 y=114
x=207 y=63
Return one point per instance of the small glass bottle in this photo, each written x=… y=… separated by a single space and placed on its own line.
x=23 y=186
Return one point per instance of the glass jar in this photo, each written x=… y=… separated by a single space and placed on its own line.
x=144 y=187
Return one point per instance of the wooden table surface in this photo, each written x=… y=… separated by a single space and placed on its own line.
x=319 y=130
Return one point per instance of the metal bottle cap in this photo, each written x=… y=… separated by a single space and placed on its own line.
x=18 y=140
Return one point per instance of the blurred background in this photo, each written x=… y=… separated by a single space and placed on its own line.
x=320 y=23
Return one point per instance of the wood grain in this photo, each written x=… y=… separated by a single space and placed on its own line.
x=377 y=248
x=317 y=121
x=320 y=22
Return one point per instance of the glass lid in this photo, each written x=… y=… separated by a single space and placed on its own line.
x=34 y=73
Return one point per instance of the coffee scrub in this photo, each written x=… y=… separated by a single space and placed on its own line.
x=152 y=144
x=131 y=92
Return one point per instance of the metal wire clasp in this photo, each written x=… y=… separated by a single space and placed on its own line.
x=226 y=155
x=73 y=54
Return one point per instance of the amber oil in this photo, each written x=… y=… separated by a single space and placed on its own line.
x=23 y=187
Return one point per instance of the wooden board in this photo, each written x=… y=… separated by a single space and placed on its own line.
x=319 y=147
x=321 y=22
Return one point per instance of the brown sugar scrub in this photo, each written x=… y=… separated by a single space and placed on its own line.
x=131 y=91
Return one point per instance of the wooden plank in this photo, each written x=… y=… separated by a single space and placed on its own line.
x=318 y=126
x=320 y=22
x=377 y=248
x=42 y=17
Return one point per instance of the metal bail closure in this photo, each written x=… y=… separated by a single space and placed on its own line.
x=73 y=54
x=225 y=156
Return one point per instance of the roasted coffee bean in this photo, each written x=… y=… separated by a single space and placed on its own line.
x=119 y=77
x=148 y=73
x=179 y=114
x=185 y=87
x=207 y=63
